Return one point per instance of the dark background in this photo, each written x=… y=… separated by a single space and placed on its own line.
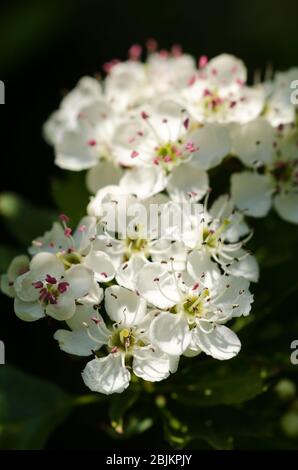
x=45 y=47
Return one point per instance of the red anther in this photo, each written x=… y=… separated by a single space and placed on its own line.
x=63 y=286
x=135 y=52
x=64 y=218
x=203 y=61
x=134 y=154
x=37 y=284
x=50 y=279
x=68 y=232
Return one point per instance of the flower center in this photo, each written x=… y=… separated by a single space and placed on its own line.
x=69 y=258
x=50 y=289
x=123 y=340
x=194 y=306
x=134 y=246
x=168 y=156
x=214 y=104
x=211 y=237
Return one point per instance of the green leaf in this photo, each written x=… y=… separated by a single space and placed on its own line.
x=211 y=383
x=24 y=221
x=70 y=195
x=30 y=409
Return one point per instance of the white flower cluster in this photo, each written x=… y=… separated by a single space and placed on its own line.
x=162 y=124
x=137 y=300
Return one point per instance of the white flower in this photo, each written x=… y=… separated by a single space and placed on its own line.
x=76 y=248
x=279 y=107
x=222 y=232
x=82 y=146
x=126 y=342
x=254 y=192
x=132 y=240
x=194 y=306
x=48 y=289
x=219 y=95
x=167 y=150
x=18 y=266
x=167 y=72
x=126 y=85
x=65 y=118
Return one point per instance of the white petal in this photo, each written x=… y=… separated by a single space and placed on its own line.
x=74 y=153
x=106 y=375
x=46 y=263
x=28 y=311
x=253 y=142
x=83 y=314
x=80 y=280
x=77 y=342
x=18 y=266
x=222 y=343
x=143 y=181
x=287 y=207
x=128 y=272
x=214 y=144
x=104 y=174
x=86 y=230
x=187 y=179
x=233 y=296
x=171 y=251
x=63 y=309
x=158 y=286
x=226 y=70
x=247 y=267
x=94 y=296
x=201 y=268
x=170 y=333
x=101 y=264
x=150 y=364
x=252 y=193
x=124 y=306
x=250 y=104
x=24 y=287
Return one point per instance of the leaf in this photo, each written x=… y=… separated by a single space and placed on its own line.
x=24 y=221
x=228 y=383
x=181 y=431
x=30 y=409
x=70 y=195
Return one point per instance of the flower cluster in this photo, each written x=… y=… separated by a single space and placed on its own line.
x=161 y=125
x=136 y=296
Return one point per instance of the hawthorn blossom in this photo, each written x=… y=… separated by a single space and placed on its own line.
x=132 y=243
x=125 y=340
x=76 y=248
x=65 y=118
x=48 y=289
x=280 y=108
x=218 y=94
x=169 y=149
x=193 y=307
x=18 y=266
x=221 y=232
x=274 y=156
